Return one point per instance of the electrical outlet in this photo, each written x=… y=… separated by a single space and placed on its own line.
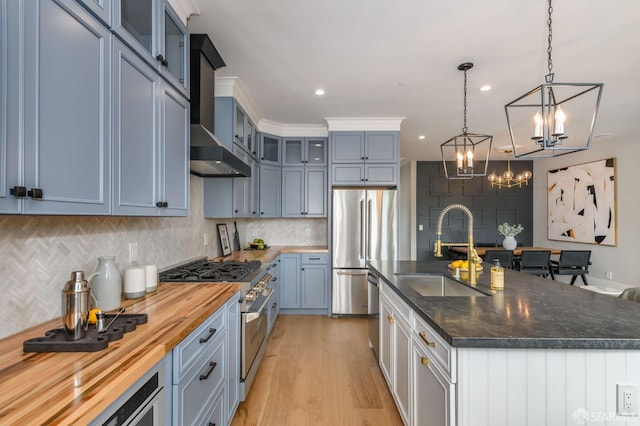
x=627 y=400
x=609 y=275
x=205 y=239
x=133 y=252
x=420 y=227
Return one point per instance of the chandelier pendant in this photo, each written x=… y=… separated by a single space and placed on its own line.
x=460 y=153
x=507 y=179
x=554 y=118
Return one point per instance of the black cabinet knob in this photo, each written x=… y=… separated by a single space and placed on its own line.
x=35 y=193
x=18 y=191
x=162 y=59
x=235 y=211
x=159 y=204
x=261 y=212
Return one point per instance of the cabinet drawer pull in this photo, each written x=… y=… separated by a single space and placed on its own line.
x=212 y=331
x=314 y=258
x=424 y=360
x=390 y=319
x=423 y=336
x=35 y=193
x=18 y=191
x=212 y=366
x=274 y=305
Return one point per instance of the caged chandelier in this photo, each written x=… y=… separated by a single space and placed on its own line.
x=554 y=118
x=507 y=179
x=461 y=150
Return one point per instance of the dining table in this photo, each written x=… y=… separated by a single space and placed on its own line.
x=516 y=252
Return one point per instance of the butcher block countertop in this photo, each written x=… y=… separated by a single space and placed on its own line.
x=269 y=254
x=73 y=388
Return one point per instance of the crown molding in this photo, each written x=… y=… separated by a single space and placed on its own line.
x=184 y=9
x=336 y=124
x=293 y=130
x=232 y=86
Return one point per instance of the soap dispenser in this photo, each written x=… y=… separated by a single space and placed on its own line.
x=497 y=276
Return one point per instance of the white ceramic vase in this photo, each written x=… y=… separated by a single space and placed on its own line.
x=107 y=284
x=509 y=243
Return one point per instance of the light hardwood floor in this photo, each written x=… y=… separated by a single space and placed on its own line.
x=318 y=371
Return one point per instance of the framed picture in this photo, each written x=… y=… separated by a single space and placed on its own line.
x=224 y=239
x=582 y=203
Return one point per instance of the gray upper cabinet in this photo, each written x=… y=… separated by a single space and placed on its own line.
x=135 y=134
x=245 y=189
x=371 y=147
x=304 y=192
x=270 y=152
x=233 y=127
x=150 y=140
x=100 y=8
x=270 y=190
x=174 y=152
x=304 y=151
x=153 y=30
x=8 y=203
x=365 y=158
x=60 y=97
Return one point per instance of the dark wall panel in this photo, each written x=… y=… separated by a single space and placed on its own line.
x=489 y=206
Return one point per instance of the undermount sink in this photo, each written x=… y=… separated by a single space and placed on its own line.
x=436 y=285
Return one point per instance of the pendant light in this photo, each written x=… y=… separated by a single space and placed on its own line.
x=460 y=153
x=554 y=118
x=507 y=179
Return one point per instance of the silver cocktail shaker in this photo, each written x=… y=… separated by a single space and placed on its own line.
x=75 y=306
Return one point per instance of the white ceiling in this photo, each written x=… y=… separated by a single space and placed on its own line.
x=382 y=58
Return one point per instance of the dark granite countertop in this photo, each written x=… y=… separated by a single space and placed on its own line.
x=532 y=312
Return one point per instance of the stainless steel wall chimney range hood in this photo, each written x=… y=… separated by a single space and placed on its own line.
x=209 y=157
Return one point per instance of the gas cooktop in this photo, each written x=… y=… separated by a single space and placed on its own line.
x=205 y=270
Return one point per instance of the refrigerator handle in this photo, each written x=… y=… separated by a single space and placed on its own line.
x=361 y=253
x=369 y=229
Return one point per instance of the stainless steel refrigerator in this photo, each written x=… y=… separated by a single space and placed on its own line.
x=364 y=227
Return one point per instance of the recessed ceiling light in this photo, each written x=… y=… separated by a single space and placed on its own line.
x=319 y=92
x=421 y=137
x=485 y=88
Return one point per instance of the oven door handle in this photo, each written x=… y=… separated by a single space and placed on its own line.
x=252 y=316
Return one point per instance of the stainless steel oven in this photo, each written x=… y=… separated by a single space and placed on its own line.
x=255 y=299
x=147 y=403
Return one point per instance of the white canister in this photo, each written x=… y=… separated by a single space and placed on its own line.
x=135 y=285
x=151 y=277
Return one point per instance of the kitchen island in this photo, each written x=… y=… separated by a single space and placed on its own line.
x=539 y=353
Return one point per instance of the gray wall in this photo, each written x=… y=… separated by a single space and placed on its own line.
x=489 y=206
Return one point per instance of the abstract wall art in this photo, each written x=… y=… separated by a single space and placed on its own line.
x=582 y=203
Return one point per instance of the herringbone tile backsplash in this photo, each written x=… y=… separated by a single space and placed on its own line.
x=38 y=253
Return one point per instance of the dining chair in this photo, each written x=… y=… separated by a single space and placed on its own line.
x=572 y=262
x=535 y=262
x=504 y=256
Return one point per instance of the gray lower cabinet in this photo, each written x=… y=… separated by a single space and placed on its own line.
x=290 y=275
x=304 y=281
x=204 y=376
x=304 y=192
x=150 y=129
x=57 y=139
x=270 y=190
